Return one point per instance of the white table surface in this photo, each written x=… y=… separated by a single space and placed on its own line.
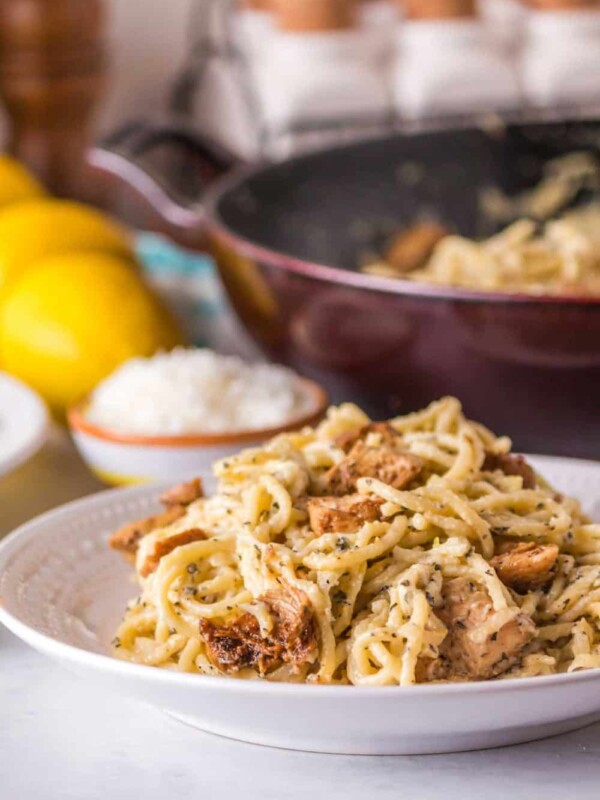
x=59 y=741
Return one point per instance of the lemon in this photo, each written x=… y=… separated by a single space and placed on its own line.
x=72 y=319
x=38 y=229
x=16 y=183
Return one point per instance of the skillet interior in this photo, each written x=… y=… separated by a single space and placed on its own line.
x=332 y=207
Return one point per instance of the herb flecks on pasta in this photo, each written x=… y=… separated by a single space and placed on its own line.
x=364 y=553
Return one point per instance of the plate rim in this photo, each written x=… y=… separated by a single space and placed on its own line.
x=79 y=656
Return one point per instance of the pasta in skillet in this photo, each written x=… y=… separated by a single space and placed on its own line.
x=561 y=259
x=411 y=551
x=558 y=257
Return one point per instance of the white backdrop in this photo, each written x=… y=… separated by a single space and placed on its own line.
x=148 y=41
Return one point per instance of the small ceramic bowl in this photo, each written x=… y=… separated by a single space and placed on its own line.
x=124 y=459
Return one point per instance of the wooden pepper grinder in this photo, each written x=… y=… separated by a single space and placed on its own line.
x=52 y=67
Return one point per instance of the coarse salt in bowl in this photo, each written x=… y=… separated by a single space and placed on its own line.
x=175 y=413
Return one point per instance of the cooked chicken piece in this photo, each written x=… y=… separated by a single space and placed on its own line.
x=184 y=494
x=511 y=465
x=295 y=626
x=429 y=669
x=162 y=547
x=384 y=463
x=342 y=514
x=465 y=610
x=412 y=248
x=127 y=538
x=525 y=566
x=388 y=435
x=239 y=644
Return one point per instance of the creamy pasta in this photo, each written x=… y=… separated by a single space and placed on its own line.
x=561 y=259
x=356 y=553
x=546 y=251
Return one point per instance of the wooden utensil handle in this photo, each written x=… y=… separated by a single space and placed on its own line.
x=52 y=68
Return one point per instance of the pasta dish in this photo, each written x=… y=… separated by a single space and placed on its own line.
x=561 y=259
x=547 y=250
x=367 y=553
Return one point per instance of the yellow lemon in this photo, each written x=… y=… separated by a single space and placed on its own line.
x=37 y=229
x=16 y=183
x=72 y=319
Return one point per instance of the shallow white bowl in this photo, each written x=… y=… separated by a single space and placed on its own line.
x=63 y=591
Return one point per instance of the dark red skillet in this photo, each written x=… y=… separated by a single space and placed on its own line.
x=288 y=236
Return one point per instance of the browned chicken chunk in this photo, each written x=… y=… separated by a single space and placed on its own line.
x=346 y=441
x=384 y=463
x=465 y=610
x=240 y=643
x=184 y=494
x=525 y=566
x=163 y=547
x=511 y=465
x=412 y=248
x=127 y=538
x=342 y=514
x=295 y=626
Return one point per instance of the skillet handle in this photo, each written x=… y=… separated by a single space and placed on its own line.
x=154 y=176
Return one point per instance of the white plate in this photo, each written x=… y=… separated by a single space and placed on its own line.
x=63 y=591
x=23 y=423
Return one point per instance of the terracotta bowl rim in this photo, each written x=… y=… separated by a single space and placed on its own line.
x=79 y=424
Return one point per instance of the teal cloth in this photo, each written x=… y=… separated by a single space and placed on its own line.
x=188 y=281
